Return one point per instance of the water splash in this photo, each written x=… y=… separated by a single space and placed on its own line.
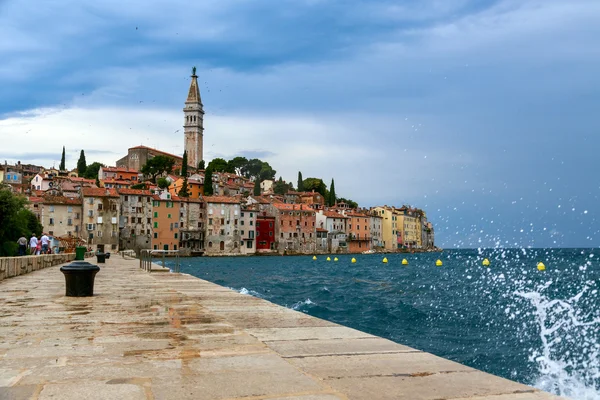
x=298 y=306
x=569 y=357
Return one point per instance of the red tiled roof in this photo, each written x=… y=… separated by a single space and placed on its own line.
x=333 y=214
x=61 y=200
x=99 y=192
x=110 y=180
x=284 y=206
x=119 y=169
x=222 y=199
x=134 y=192
x=79 y=179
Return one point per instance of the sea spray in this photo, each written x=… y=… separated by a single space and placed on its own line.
x=569 y=355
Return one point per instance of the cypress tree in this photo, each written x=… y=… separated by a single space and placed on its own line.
x=208 y=188
x=201 y=164
x=81 y=164
x=183 y=192
x=332 y=198
x=257 y=187
x=184 y=165
x=300 y=182
x=62 y=161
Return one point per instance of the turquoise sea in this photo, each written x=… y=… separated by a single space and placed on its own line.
x=539 y=328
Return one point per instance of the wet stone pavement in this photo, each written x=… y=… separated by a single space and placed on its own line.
x=169 y=336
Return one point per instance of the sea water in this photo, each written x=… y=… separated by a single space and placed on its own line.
x=541 y=328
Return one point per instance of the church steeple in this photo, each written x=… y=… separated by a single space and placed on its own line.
x=194 y=123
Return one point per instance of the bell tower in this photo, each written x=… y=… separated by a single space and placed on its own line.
x=193 y=125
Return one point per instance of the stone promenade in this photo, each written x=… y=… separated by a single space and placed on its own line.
x=169 y=336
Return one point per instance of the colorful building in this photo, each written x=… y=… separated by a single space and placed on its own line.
x=265 y=233
x=165 y=222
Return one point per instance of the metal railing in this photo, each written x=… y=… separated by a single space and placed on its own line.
x=146 y=256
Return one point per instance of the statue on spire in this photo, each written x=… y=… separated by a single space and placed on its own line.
x=193 y=71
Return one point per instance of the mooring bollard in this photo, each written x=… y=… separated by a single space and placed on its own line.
x=79 y=278
x=101 y=258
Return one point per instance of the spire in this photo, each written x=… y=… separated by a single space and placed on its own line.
x=194 y=92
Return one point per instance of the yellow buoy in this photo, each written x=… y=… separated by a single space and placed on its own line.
x=314 y=257
x=486 y=262
x=438 y=263
x=405 y=262
x=385 y=259
x=335 y=259
x=353 y=259
x=541 y=266
x=328 y=259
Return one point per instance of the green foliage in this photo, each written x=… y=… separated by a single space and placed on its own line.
x=183 y=192
x=208 y=188
x=184 y=165
x=158 y=165
x=91 y=172
x=331 y=199
x=300 y=182
x=257 y=187
x=219 y=165
x=62 y=166
x=266 y=172
x=281 y=187
x=15 y=221
x=81 y=164
x=202 y=165
x=351 y=204
x=238 y=164
x=162 y=183
x=316 y=184
x=141 y=186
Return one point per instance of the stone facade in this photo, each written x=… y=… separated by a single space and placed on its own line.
x=135 y=221
x=296 y=224
x=376 y=231
x=191 y=225
x=60 y=216
x=193 y=124
x=248 y=231
x=223 y=234
x=101 y=212
x=137 y=157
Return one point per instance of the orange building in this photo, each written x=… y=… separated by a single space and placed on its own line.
x=195 y=188
x=165 y=223
x=359 y=232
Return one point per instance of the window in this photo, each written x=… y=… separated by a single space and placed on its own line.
x=251 y=222
x=139 y=220
x=210 y=221
x=242 y=213
x=155 y=247
x=251 y=215
x=235 y=221
x=176 y=236
x=126 y=198
x=51 y=208
x=222 y=221
x=99 y=206
x=251 y=234
x=155 y=214
x=155 y=235
x=155 y=203
x=125 y=219
x=69 y=209
x=270 y=233
x=51 y=221
x=169 y=216
x=249 y=244
x=76 y=215
x=242 y=222
x=148 y=220
x=165 y=247
x=69 y=222
x=156 y=224
x=270 y=224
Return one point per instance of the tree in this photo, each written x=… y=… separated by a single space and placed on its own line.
x=253 y=168
x=91 y=172
x=162 y=183
x=15 y=221
x=266 y=172
x=350 y=203
x=184 y=163
x=183 y=192
x=158 y=165
x=219 y=165
x=201 y=165
x=81 y=164
x=257 y=187
x=281 y=187
x=315 y=184
x=300 y=182
x=62 y=161
x=238 y=165
x=331 y=201
x=208 y=188
x=141 y=186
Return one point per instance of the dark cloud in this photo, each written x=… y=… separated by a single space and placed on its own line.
x=261 y=154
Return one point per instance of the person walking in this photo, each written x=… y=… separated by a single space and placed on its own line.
x=45 y=242
x=33 y=242
x=22 y=242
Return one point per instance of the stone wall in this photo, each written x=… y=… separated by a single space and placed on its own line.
x=15 y=266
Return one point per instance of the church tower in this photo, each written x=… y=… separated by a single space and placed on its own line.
x=193 y=125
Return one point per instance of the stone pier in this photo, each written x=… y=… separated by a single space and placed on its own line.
x=171 y=336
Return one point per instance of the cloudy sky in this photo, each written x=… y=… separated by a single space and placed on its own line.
x=482 y=112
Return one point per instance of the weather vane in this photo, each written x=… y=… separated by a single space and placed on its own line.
x=193 y=70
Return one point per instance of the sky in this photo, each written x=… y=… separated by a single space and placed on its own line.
x=482 y=112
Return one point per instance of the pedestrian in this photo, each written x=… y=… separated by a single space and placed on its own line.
x=22 y=242
x=45 y=242
x=38 y=248
x=33 y=242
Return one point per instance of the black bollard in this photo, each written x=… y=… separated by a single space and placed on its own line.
x=79 y=278
x=101 y=258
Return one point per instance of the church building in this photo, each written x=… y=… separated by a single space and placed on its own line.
x=193 y=126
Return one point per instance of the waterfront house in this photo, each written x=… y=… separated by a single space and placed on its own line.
x=248 y=230
x=222 y=225
x=100 y=218
x=165 y=221
x=296 y=226
x=265 y=233
x=135 y=220
x=191 y=225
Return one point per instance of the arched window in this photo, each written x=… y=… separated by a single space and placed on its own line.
x=209 y=244
x=222 y=245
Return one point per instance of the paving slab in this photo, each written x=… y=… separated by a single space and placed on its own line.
x=173 y=336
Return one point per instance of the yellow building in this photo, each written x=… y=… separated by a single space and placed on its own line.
x=195 y=188
x=389 y=226
x=409 y=232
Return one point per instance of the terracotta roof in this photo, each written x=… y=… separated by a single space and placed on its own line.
x=99 y=192
x=157 y=151
x=61 y=200
x=111 y=180
x=190 y=200
x=222 y=199
x=134 y=192
x=119 y=169
x=284 y=206
x=78 y=179
x=322 y=230
x=261 y=199
x=333 y=214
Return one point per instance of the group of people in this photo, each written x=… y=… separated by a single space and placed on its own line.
x=36 y=246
